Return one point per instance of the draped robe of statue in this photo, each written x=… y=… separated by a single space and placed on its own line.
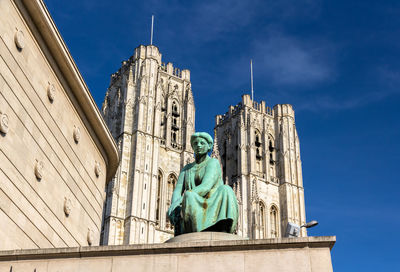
x=201 y=202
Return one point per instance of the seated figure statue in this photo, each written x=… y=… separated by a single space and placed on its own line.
x=201 y=201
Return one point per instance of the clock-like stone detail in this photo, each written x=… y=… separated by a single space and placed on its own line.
x=77 y=134
x=97 y=169
x=3 y=123
x=19 y=39
x=67 y=206
x=51 y=92
x=90 y=237
x=39 y=165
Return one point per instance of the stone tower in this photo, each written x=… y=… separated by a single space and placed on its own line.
x=260 y=156
x=150 y=111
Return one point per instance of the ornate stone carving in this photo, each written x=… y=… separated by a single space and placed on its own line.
x=129 y=103
x=142 y=99
x=3 y=123
x=90 y=237
x=97 y=169
x=67 y=206
x=254 y=191
x=39 y=165
x=51 y=92
x=19 y=39
x=238 y=192
x=215 y=151
x=77 y=134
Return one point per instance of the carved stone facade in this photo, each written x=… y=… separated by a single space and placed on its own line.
x=150 y=111
x=259 y=152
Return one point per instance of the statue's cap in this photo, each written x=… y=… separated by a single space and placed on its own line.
x=203 y=135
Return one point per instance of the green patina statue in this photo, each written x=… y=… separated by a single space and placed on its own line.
x=201 y=201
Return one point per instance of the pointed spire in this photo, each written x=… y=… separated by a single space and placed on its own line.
x=152 y=25
x=254 y=191
x=131 y=78
x=215 y=152
x=238 y=193
x=189 y=94
x=251 y=80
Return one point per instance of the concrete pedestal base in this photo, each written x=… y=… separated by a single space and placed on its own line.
x=306 y=254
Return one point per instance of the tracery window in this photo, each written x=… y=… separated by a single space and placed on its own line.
x=262 y=220
x=158 y=202
x=273 y=215
x=162 y=117
x=258 y=145
x=171 y=183
x=175 y=122
x=271 y=150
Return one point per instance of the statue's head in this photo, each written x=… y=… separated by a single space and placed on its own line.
x=201 y=142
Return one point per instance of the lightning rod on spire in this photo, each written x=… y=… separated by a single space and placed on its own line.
x=251 y=79
x=152 y=24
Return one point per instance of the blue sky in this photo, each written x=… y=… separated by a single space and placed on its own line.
x=336 y=62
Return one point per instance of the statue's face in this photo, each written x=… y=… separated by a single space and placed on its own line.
x=200 y=146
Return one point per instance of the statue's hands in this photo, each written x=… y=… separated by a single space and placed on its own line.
x=200 y=191
x=195 y=191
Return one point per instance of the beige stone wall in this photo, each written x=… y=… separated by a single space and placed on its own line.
x=48 y=133
x=310 y=254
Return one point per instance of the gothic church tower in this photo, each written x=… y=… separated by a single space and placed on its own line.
x=260 y=155
x=150 y=111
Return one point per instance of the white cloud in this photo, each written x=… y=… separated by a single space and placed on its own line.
x=326 y=102
x=209 y=20
x=285 y=60
x=390 y=87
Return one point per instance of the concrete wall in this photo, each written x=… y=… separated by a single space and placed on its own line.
x=304 y=254
x=54 y=164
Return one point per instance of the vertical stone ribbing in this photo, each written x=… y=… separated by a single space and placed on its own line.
x=133 y=111
x=267 y=170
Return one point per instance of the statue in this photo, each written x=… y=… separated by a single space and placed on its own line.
x=201 y=201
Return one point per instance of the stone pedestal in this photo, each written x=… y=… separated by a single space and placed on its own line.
x=205 y=236
x=305 y=254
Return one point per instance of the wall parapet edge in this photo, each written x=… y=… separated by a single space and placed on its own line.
x=167 y=248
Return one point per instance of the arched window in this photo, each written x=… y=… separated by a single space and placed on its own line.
x=170 y=189
x=174 y=107
x=273 y=215
x=171 y=186
x=173 y=136
x=271 y=150
x=272 y=159
x=162 y=117
x=258 y=144
x=262 y=221
x=175 y=122
x=158 y=203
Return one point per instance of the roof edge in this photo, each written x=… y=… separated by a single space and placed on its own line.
x=42 y=20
